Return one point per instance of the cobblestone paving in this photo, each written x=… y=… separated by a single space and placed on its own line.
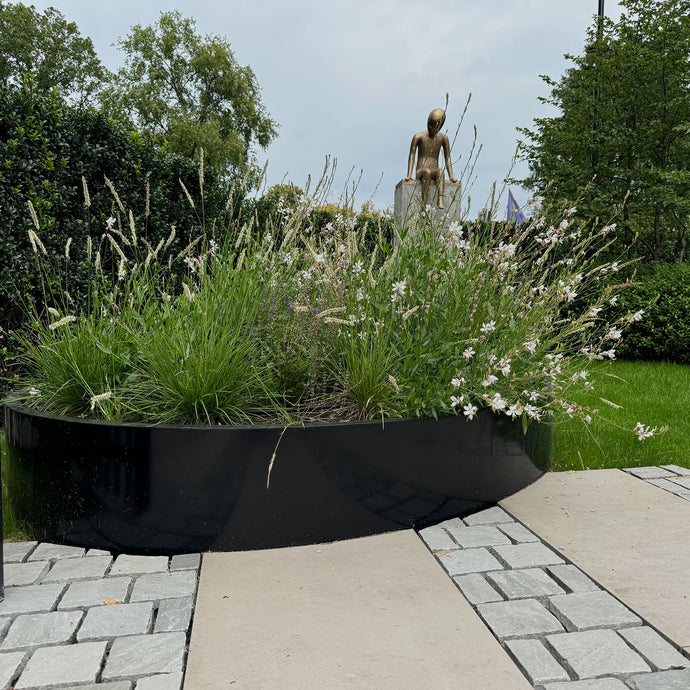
x=670 y=478
x=78 y=619
x=563 y=630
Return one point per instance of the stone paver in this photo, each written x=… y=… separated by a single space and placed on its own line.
x=116 y=685
x=523 y=584
x=50 y=667
x=650 y=472
x=139 y=565
x=31 y=599
x=174 y=614
x=185 y=561
x=95 y=593
x=595 y=684
x=517 y=532
x=676 y=469
x=167 y=681
x=527 y=555
x=164 y=586
x=145 y=655
x=589 y=610
x=683 y=482
x=536 y=662
x=16 y=552
x=470 y=561
x=437 y=538
x=36 y=629
x=663 y=680
x=19 y=574
x=654 y=648
x=476 y=589
x=519 y=618
x=665 y=484
x=74 y=569
x=489 y=516
x=117 y=620
x=479 y=535
x=572 y=578
x=10 y=665
x=596 y=653
x=45 y=552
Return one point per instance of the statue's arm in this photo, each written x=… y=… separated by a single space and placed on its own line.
x=410 y=158
x=446 y=154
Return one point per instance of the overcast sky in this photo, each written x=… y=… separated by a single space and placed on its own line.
x=355 y=79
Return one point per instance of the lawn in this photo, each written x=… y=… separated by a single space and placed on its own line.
x=654 y=393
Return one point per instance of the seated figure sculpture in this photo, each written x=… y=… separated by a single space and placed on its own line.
x=427 y=146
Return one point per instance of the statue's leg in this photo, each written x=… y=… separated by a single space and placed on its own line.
x=426 y=183
x=440 y=186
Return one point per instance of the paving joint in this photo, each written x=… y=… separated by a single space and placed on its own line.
x=524 y=600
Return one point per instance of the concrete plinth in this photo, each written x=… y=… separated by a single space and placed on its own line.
x=408 y=202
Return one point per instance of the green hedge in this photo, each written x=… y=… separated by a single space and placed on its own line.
x=663 y=334
x=46 y=147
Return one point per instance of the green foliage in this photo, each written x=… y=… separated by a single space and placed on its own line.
x=663 y=334
x=189 y=91
x=653 y=392
x=46 y=148
x=623 y=127
x=49 y=47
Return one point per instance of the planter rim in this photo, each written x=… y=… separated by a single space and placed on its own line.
x=26 y=409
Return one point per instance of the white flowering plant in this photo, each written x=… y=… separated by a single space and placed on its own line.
x=288 y=323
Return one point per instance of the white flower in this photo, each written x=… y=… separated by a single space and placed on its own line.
x=588 y=419
x=467 y=354
x=110 y=223
x=614 y=334
x=497 y=402
x=457 y=381
x=398 y=290
x=613 y=300
x=532 y=411
x=637 y=316
x=569 y=211
x=611 y=354
x=608 y=228
x=490 y=379
x=33 y=391
x=643 y=432
x=469 y=411
x=614 y=266
x=514 y=411
x=357 y=267
x=488 y=327
x=360 y=294
x=531 y=345
x=455 y=401
x=592 y=313
x=504 y=366
x=569 y=293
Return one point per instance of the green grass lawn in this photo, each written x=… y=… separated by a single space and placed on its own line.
x=656 y=394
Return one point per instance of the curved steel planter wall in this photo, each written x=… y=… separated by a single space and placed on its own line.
x=166 y=489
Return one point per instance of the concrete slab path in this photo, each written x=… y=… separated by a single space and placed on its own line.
x=376 y=612
x=624 y=533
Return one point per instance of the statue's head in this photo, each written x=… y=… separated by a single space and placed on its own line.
x=436 y=119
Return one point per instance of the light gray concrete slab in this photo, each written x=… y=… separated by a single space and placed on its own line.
x=52 y=667
x=628 y=536
x=116 y=685
x=593 y=684
x=376 y=612
x=167 y=681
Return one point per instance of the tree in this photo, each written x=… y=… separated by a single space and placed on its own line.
x=49 y=47
x=624 y=126
x=189 y=91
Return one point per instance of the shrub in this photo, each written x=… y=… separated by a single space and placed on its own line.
x=663 y=334
x=49 y=154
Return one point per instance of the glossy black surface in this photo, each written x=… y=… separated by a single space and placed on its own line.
x=165 y=489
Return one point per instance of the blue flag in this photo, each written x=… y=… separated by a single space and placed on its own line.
x=514 y=212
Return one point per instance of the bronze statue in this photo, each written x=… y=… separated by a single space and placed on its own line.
x=427 y=145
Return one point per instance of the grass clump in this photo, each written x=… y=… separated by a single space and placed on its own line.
x=291 y=322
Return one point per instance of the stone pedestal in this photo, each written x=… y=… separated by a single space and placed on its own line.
x=408 y=201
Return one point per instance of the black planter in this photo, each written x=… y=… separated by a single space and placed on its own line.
x=167 y=489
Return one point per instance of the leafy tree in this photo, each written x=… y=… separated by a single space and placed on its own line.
x=49 y=47
x=624 y=126
x=190 y=91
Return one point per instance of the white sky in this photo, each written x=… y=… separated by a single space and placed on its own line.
x=355 y=79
